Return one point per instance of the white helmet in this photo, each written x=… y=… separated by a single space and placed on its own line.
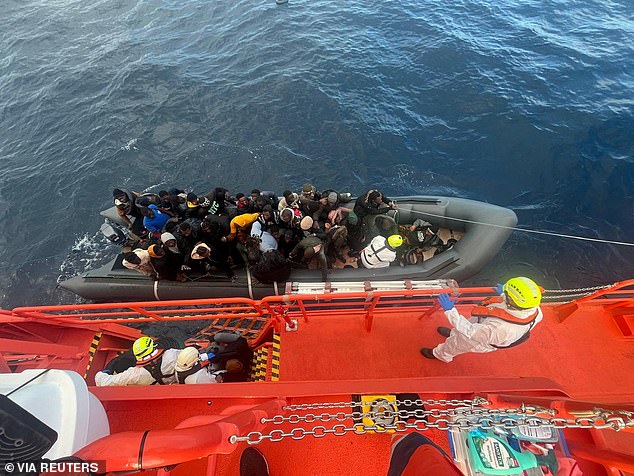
x=187 y=358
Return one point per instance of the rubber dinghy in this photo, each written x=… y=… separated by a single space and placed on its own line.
x=477 y=244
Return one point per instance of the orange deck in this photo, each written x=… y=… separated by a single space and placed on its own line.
x=586 y=355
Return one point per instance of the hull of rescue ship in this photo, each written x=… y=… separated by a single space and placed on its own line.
x=323 y=365
x=482 y=229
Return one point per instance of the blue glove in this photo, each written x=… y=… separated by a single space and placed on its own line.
x=499 y=288
x=446 y=302
x=206 y=357
x=107 y=371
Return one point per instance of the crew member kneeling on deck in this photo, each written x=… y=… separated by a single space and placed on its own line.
x=153 y=366
x=380 y=252
x=192 y=367
x=500 y=323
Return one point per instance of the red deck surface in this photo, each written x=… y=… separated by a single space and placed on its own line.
x=585 y=357
x=586 y=354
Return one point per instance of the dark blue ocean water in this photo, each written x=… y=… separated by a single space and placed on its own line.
x=527 y=104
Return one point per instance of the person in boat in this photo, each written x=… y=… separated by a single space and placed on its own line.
x=287 y=241
x=268 y=218
x=187 y=235
x=139 y=260
x=288 y=218
x=336 y=243
x=174 y=257
x=240 y=222
x=197 y=207
x=219 y=198
x=204 y=259
x=499 y=323
x=373 y=202
x=154 y=365
x=154 y=220
x=125 y=203
x=420 y=234
x=380 y=252
x=309 y=250
x=166 y=264
x=166 y=205
x=213 y=228
x=289 y=200
x=265 y=239
x=307 y=226
x=243 y=204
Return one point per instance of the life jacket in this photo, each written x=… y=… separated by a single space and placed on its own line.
x=181 y=376
x=154 y=367
x=371 y=255
x=482 y=312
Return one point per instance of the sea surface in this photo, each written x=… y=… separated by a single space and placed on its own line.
x=528 y=104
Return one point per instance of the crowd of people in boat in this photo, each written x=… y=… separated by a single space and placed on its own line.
x=180 y=236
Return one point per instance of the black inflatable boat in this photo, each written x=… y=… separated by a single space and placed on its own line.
x=468 y=220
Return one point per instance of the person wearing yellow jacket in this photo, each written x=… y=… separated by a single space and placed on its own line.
x=243 y=221
x=495 y=325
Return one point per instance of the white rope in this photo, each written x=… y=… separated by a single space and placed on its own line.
x=538 y=232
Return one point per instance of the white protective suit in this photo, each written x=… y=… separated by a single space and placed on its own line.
x=204 y=375
x=140 y=375
x=377 y=254
x=468 y=335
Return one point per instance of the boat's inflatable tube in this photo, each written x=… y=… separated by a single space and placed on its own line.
x=478 y=245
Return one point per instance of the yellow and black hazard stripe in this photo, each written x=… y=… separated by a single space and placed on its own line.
x=275 y=359
x=91 y=352
x=258 y=367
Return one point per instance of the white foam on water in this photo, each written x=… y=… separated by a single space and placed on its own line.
x=131 y=145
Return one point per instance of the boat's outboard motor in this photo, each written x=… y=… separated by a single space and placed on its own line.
x=113 y=233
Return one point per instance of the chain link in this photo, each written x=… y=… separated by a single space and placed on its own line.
x=404 y=414
x=486 y=423
x=577 y=290
x=477 y=401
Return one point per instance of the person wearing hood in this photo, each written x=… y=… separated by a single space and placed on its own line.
x=204 y=259
x=499 y=323
x=218 y=197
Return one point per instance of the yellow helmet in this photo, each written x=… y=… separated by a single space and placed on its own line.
x=143 y=347
x=395 y=241
x=523 y=292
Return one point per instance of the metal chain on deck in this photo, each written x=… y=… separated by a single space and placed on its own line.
x=571 y=294
x=440 y=402
x=577 y=290
x=486 y=419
